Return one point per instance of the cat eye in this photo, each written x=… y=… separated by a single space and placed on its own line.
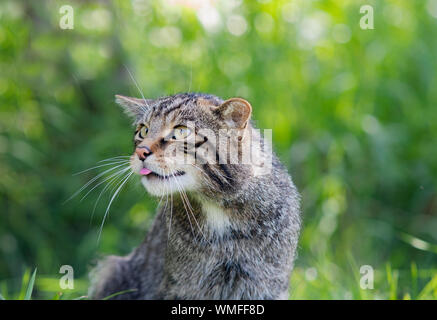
x=143 y=132
x=180 y=132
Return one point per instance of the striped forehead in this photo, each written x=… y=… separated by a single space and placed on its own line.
x=166 y=109
x=185 y=105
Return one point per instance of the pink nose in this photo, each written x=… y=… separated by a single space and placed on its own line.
x=143 y=152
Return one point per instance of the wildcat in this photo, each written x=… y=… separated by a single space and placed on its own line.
x=226 y=231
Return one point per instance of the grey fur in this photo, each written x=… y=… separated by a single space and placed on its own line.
x=251 y=259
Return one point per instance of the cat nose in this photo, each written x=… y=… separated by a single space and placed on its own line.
x=143 y=152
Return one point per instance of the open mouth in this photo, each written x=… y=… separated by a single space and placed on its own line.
x=150 y=174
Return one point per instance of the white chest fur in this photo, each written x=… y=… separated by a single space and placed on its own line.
x=217 y=219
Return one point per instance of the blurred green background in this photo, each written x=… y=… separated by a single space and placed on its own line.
x=353 y=114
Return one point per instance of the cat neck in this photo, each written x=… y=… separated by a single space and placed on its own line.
x=200 y=218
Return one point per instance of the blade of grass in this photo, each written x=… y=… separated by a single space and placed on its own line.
x=119 y=293
x=30 y=286
x=4 y=289
x=24 y=282
x=414 y=279
x=418 y=243
x=392 y=279
x=431 y=286
x=355 y=271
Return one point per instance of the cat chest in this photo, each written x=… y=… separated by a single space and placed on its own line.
x=217 y=219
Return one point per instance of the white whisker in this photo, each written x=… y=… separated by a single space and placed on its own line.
x=106 y=179
x=206 y=178
x=113 y=180
x=115 y=158
x=102 y=165
x=171 y=214
x=188 y=215
x=91 y=181
x=138 y=87
x=110 y=202
x=189 y=206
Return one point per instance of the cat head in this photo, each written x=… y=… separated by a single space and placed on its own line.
x=187 y=141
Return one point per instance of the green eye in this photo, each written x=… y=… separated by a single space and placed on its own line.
x=143 y=132
x=180 y=133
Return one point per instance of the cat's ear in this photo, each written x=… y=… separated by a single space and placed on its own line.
x=235 y=112
x=133 y=107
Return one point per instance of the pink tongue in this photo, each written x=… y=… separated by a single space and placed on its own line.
x=145 y=171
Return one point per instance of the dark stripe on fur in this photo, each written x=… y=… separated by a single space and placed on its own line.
x=213 y=176
x=167 y=111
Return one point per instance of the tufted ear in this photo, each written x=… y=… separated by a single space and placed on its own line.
x=235 y=112
x=133 y=107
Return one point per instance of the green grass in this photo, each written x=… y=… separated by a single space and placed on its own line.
x=326 y=281
x=341 y=285
x=27 y=287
